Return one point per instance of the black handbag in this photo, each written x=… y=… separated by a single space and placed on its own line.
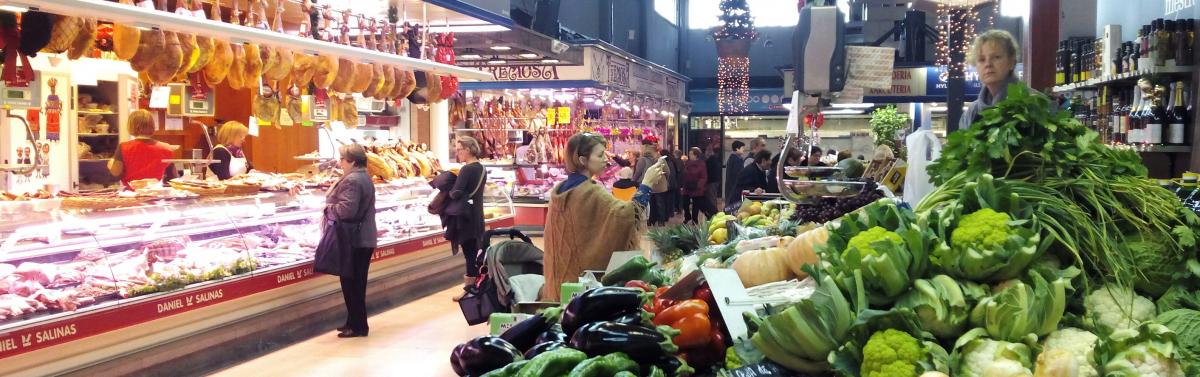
x=335 y=255
x=480 y=301
x=335 y=252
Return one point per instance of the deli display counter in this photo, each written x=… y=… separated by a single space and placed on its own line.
x=67 y=275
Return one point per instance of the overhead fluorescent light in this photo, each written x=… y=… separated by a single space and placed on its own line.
x=842 y=112
x=468 y=29
x=550 y=61
x=938 y=109
x=853 y=105
x=501 y=48
x=13 y=8
x=529 y=56
x=470 y=57
x=497 y=61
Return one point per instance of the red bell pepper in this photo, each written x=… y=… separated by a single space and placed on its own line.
x=690 y=317
x=681 y=310
x=639 y=285
x=659 y=304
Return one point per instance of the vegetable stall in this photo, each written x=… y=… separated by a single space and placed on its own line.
x=1043 y=252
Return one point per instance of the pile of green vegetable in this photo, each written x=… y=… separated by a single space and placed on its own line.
x=1042 y=253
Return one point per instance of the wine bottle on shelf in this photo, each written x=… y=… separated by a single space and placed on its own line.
x=1178 y=38
x=1177 y=116
x=1060 y=64
x=1166 y=46
x=1144 y=47
x=1135 y=117
x=1158 y=119
x=1189 y=41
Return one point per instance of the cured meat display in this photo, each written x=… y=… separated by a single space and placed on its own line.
x=159 y=261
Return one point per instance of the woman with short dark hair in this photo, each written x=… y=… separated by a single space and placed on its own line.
x=352 y=201
x=695 y=185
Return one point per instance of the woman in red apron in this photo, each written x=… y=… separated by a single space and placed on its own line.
x=142 y=157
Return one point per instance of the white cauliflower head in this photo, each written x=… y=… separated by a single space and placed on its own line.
x=1114 y=307
x=1078 y=344
x=982 y=357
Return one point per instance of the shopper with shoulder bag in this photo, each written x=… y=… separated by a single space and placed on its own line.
x=348 y=236
x=463 y=215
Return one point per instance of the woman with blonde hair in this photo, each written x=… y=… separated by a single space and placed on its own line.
x=585 y=223
x=228 y=152
x=142 y=157
x=995 y=54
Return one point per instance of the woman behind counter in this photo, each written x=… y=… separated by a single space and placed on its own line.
x=994 y=54
x=352 y=200
x=228 y=151
x=585 y=223
x=142 y=157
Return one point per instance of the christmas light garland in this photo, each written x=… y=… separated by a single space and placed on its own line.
x=733 y=83
x=955 y=18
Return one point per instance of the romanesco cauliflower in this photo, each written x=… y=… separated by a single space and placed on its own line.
x=892 y=353
x=983 y=229
x=1114 y=307
x=863 y=240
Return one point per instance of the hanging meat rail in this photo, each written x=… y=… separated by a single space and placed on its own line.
x=116 y=12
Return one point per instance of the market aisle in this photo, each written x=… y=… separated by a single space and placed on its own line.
x=414 y=339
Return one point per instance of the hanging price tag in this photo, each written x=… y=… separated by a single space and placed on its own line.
x=564 y=115
x=33 y=116
x=306 y=105
x=253 y=126
x=320 y=106
x=551 y=117
x=160 y=97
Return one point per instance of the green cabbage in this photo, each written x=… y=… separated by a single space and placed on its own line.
x=1186 y=325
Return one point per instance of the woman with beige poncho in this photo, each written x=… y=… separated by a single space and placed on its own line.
x=585 y=223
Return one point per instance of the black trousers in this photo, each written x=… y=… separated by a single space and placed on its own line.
x=354 y=291
x=699 y=204
x=659 y=207
x=470 y=251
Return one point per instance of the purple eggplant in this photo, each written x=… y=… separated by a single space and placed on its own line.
x=483 y=354
x=601 y=304
x=525 y=334
x=642 y=343
x=554 y=334
x=541 y=348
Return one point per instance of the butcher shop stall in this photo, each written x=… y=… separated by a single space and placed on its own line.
x=186 y=273
x=525 y=116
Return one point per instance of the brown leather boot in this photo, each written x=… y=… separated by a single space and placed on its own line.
x=467 y=282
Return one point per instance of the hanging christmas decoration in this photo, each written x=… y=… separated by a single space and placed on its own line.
x=956 y=27
x=733 y=40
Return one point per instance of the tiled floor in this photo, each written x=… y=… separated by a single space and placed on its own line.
x=412 y=340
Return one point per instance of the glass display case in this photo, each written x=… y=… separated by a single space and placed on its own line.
x=60 y=262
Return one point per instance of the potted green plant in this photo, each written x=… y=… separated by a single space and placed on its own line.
x=886 y=124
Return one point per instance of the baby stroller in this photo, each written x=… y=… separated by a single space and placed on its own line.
x=511 y=272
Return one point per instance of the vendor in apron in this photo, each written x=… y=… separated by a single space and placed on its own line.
x=143 y=157
x=231 y=160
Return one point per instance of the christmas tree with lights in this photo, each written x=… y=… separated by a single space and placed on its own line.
x=737 y=23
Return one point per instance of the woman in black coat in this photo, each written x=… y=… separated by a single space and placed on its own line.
x=463 y=216
x=352 y=200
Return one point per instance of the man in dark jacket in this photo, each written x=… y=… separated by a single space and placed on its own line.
x=677 y=159
x=733 y=169
x=352 y=201
x=753 y=178
x=713 y=165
